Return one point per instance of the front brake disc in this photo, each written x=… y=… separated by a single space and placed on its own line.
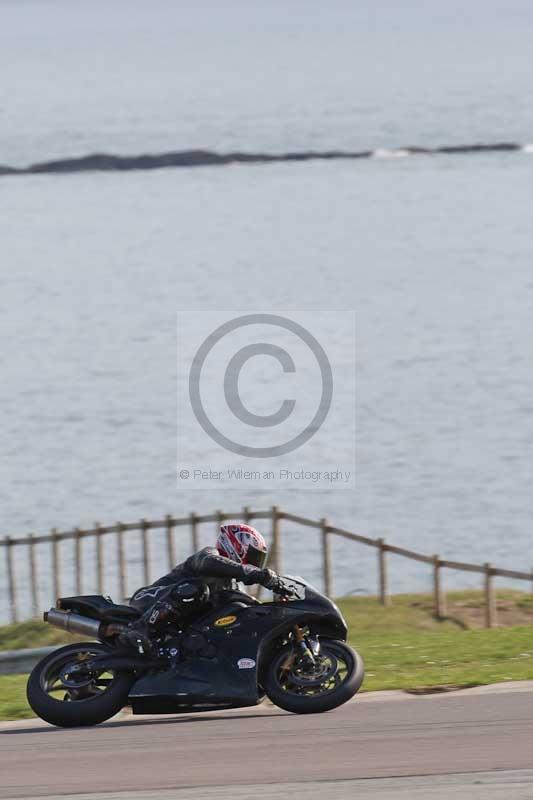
x=316 y=674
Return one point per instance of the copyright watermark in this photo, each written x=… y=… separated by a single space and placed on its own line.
x=231 y=385
x=284 y=475
x=261 y=387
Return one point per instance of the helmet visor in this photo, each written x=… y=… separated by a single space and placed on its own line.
x=256 y=557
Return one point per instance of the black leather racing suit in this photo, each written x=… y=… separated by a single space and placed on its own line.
x=216 y=571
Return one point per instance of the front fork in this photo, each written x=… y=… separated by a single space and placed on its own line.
x=307 y=647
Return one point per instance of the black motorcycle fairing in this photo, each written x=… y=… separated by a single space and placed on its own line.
x=196 y=684
x=241 y=640
x=318 y=604
x=210 y=676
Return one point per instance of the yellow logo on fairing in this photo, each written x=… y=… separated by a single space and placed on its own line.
x=220 y=623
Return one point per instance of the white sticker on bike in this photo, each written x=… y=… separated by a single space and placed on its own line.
x=246 y=663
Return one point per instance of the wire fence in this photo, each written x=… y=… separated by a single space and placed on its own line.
x=27 y=595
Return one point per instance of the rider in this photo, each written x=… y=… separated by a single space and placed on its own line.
x=240 y=554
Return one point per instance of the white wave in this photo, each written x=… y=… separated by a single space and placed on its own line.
x=383 y=152
x=528 y=148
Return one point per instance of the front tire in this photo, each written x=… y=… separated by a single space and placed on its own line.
x=287 y=688
x=70 y=702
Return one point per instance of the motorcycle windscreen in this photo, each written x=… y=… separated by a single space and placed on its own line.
x=256 y=557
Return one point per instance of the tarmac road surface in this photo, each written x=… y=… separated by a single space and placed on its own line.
x=473 y=744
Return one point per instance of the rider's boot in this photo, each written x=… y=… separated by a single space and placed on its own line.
x=142 y=633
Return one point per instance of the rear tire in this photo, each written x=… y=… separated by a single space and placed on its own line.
x=70 y=711
x=319 y=702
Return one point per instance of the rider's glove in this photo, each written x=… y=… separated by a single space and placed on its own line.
x=274 y=583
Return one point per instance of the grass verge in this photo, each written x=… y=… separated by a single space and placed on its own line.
x=403 y=645
x=32 y=633
x=13 y=703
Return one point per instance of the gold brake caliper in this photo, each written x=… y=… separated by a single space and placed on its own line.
x=291 y=658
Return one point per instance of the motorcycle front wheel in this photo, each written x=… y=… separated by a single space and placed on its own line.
x=62 y=691
x=334 y=679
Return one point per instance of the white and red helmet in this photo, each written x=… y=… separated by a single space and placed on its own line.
x=243 y=544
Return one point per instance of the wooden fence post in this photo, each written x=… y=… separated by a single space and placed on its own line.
x=99 y=560
x=194 y=532
x=122 y=587
x=383 y=577
x=11 y=589
x=438 y=594
x=56 y=565
x=326 y=559
x=490 y=598
x=171 y=549
x=33 y=577
x=77 y=561
x=276 y=540
x=146 y=555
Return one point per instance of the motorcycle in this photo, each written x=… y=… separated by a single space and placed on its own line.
x=292 y=650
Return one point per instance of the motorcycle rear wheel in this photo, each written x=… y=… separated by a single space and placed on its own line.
x=67 y=701
x=340 y=666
